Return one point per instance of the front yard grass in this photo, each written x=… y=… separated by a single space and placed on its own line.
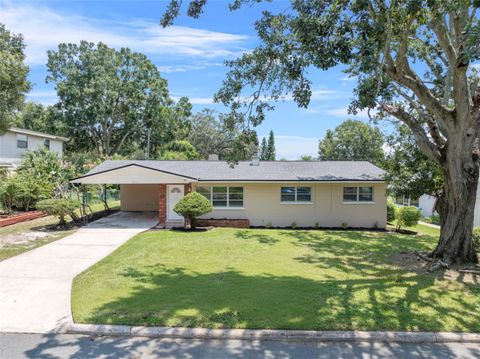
x=293 y=279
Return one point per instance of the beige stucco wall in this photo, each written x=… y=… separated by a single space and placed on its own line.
x=139 y=197
x=262 y=206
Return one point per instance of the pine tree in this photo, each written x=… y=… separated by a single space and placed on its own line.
x=263 y=150
x=270 y=150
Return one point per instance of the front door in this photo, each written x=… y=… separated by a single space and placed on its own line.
x=175 y=193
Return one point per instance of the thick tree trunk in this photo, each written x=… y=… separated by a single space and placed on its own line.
x=456 y=208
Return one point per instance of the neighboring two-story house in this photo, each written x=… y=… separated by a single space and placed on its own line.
x=15 y=142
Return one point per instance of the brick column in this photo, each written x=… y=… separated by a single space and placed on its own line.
x=162 y=204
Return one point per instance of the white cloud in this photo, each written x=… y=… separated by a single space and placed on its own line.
x=292 y=147
x=343 y=112
x=45 y=97
x=44 y=28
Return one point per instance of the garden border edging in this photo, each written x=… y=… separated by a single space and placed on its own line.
x=273 y=334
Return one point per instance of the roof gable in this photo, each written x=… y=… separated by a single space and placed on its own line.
x=131 y=174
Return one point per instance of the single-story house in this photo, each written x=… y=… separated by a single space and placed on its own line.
x=259 y=193
x=15 y=142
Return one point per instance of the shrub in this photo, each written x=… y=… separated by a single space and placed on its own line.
x=476 y=239
x=8 y=193
x=191 y=206
x=60 y=207
x=391 y=209
x=408 y=216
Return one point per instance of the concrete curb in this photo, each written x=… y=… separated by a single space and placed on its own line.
x=267 y=334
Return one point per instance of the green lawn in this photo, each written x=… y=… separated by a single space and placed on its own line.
x=294 y=279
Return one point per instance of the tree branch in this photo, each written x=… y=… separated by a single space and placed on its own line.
x=429 y=148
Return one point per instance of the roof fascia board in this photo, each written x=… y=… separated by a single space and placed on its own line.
x=130 y=165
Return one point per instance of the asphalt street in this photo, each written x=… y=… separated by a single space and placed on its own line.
x=80 y=346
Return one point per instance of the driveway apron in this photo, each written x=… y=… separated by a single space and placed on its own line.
x=35 y=286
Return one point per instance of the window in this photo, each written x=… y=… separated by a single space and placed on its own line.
x=357 y=194
x=46 y=143
x=296 y=194
x=22 y=141
x=223 y=196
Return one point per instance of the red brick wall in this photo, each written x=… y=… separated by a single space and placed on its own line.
x=162 y=204
x=235 y=223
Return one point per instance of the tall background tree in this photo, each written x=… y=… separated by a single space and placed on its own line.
x=108 y=98
x=209 y=135
x=268 y=150
x=413 y=62
x=13 y=76
x=352 y=141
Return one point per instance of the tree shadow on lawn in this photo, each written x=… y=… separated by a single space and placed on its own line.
x=260 y=237
x=230 y=299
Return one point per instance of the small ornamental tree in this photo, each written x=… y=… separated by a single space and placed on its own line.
x=191 y=206
x=408 y=216
x=60 y=207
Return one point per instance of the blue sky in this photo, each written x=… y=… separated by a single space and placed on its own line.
x=190 y=56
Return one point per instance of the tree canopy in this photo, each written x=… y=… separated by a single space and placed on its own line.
x=108 y=97
x=352 y=141
x=13 y=76
x=409 y=171
x=412 y=60
x=210 y=136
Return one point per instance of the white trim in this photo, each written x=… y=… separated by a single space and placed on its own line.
x=358 y=195
x=228 y=208
x=358 y=203
x=293 y=183
x=296 y=203
x=296 y=195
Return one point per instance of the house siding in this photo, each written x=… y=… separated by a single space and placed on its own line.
x=476 y=217
x=10 y=153
x=262 y=206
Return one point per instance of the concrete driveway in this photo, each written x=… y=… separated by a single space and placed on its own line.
x=35 y=286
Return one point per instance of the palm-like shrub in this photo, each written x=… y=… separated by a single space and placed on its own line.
x=192 y=206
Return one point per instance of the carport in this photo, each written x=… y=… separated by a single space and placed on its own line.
x=143 y=189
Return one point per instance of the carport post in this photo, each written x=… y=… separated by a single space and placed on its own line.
x=162 y=204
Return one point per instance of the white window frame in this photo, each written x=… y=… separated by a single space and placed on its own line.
x=357 y=201
x=228 y=197
x=296 y=201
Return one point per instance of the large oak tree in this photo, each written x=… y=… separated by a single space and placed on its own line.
x=108 y=97
x=413 y=60
x=13 y=76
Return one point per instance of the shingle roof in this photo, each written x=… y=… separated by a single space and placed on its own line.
x=265 y=171
x=37 y=133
